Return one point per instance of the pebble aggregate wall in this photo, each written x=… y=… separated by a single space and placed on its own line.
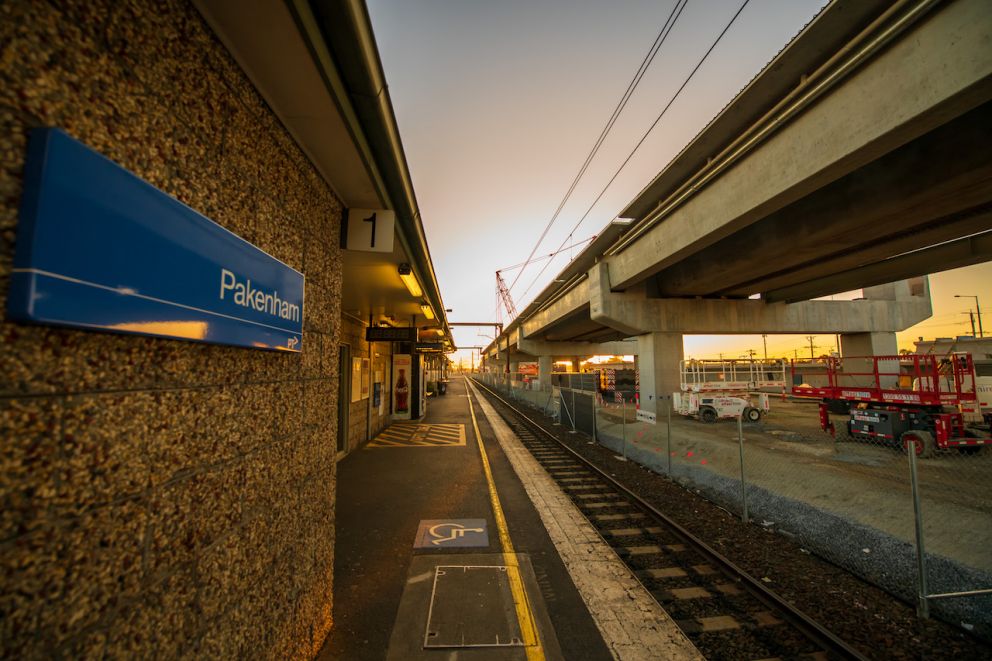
x=163 y=499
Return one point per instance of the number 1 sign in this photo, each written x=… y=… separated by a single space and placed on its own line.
x=370 y=230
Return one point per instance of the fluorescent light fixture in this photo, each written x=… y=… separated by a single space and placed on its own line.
x=427 y=310
x=410 y=280
x=623 y=222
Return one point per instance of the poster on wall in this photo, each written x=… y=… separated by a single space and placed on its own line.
x=365 y=378
x=380 y=402
x=422 y=371
x=356 y=379
x=401 y=386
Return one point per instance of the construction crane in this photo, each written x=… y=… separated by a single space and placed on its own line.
x=503 y=292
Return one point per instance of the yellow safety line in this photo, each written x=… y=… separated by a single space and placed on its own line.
x=532 y=642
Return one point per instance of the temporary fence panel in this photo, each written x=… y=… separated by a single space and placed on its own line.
x=584 y=404
x=587 y=381
x=850 y=498
x=954 y=523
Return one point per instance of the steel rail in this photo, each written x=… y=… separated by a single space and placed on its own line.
x=804 y=623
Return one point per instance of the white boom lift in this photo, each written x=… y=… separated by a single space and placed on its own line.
x=715 y=389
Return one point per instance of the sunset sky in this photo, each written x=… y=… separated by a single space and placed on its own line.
x=498 y=103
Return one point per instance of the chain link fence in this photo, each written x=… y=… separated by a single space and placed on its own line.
x=852 y=499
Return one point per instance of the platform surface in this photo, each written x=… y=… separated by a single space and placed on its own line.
x=384 y=585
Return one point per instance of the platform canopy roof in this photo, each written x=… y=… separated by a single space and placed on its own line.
x=317 y=66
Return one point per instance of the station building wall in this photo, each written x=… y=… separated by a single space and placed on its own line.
x=364 y=419
x=163 y=498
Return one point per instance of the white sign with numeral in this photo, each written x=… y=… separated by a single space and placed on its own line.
x=370 y=230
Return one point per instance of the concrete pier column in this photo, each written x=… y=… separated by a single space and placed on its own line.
x=854 y=345
x=575 y=363
x=658 y=357
x=545 y=365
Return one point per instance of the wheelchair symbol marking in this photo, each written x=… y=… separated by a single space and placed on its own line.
x=451 y=533
x=455 y=531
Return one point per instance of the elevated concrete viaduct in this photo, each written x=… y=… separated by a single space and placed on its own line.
x=866 y=326
x=887 y=139
x=861 y=157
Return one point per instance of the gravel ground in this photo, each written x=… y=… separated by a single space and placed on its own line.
x=881 y=558
x=860 y=612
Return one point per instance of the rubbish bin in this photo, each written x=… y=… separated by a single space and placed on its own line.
x=442 y=387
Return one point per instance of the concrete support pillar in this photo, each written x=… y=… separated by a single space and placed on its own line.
x=853 y=345
x=514 y=366
x=545 y=365
x=575 y=363
x=658 y=357
x=868 y=344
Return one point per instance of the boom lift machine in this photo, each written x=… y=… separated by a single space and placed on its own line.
x=714 y=389
x=925 y=402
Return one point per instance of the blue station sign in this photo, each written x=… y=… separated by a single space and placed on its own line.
x=99 y=248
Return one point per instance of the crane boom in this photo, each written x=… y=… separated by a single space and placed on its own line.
x=504 y=294
x=504 y=291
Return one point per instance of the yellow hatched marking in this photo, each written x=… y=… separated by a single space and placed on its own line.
x=415 y=435
x=383 y=443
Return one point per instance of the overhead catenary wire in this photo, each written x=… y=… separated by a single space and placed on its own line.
x=549 y=255
x=644 y=137
x=642 y=69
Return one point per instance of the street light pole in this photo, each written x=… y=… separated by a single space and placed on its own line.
x=978 y=309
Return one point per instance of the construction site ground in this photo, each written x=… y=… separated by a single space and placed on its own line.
x=787 y=454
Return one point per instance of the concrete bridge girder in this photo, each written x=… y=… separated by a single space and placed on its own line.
x=635 y=313
x=932 y=190
x=569 y=304
x=942 y=70
x=867 y=327
x=544 y=348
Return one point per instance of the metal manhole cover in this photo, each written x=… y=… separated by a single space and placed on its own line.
x=472 y=606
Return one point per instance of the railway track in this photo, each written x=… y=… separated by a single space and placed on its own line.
x=727 y=613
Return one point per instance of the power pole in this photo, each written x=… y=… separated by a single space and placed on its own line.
x=750 y=354
x=978 y=309
x=811 y=346
x=971 y=314
x=764 y=340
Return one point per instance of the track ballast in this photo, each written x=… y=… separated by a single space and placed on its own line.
x=727 y=613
